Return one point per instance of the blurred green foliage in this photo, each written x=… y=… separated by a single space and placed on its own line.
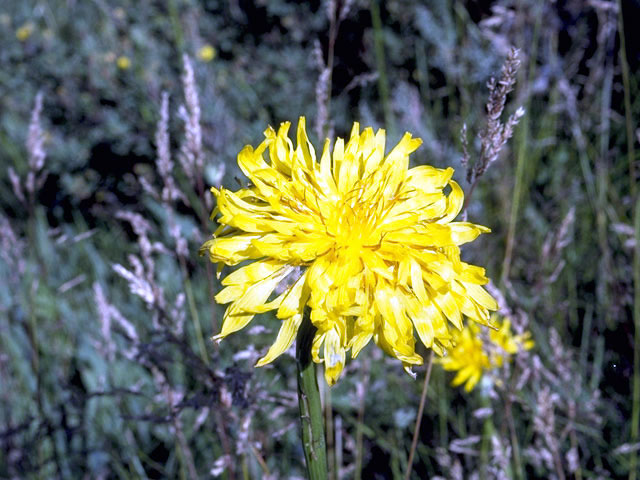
x=157 y=407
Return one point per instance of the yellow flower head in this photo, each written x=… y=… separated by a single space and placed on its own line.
x=123 y=62
x=367 y=244
x=207 y=53
x=474 y=354
x=25 y=31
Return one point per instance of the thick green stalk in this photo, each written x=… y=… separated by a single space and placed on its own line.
x=313 y=443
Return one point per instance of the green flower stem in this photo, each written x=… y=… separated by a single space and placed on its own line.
x=313 y=443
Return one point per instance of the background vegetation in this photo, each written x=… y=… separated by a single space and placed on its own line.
x=106 y=370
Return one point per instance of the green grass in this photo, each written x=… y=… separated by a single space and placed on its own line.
x=69 y=407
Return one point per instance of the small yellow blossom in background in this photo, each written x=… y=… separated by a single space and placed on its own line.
x=207 y=53
x=123 y=62
x=368 y=245
x=474 y=354
x=25 y=31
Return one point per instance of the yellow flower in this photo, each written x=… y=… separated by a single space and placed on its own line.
x=367 y=244
x=24 y=32
x=123 y=62
x=207 y=53
x=474 y=354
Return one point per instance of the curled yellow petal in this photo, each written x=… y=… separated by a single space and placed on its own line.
x=285 y=338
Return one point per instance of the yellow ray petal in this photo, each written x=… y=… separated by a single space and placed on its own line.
x=295 y=298
x=241 y=312
x=230 y=250
x=373 y=154
x=481 y=296
x=305 y=151
x=449 y=307
x=315 y=346
x=252 y=273
x=398 y=162
x=285 y=338
x=334 y=357
x=324 y=178
x=230 y=294
x=359 y=341
x=429 y=179
x=455 y=200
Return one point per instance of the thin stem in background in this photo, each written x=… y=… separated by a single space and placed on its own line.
x=557 y=461
x=635 y=409
x=195 y=317
x=184 y=452
x=627 y=103
x=635 y=414
x=522 y=156
x=422 y=68
x=176 y=25
x=32 y=324
x=196 y=198
x=488 y=431
x=224 y=439
x=383 y=86
x=324 y=85
x=204 y=220
x=573 y=438
x=467 y=197
x=416 y=430
x=603 y=288
x=443 y=410
x=339 y=447
x=245 y=468
x=362 y=396
x=311 y=421
x=260 y=460
x=515 y=446
x=32 y=331
x=334 y=23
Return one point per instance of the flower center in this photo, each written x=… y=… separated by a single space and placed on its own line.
x=356 y=220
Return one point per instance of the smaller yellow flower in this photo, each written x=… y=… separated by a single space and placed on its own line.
x=506 y=341
x=207 y=53
x=25 y=31
x=123 y=62
x=474 y=354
